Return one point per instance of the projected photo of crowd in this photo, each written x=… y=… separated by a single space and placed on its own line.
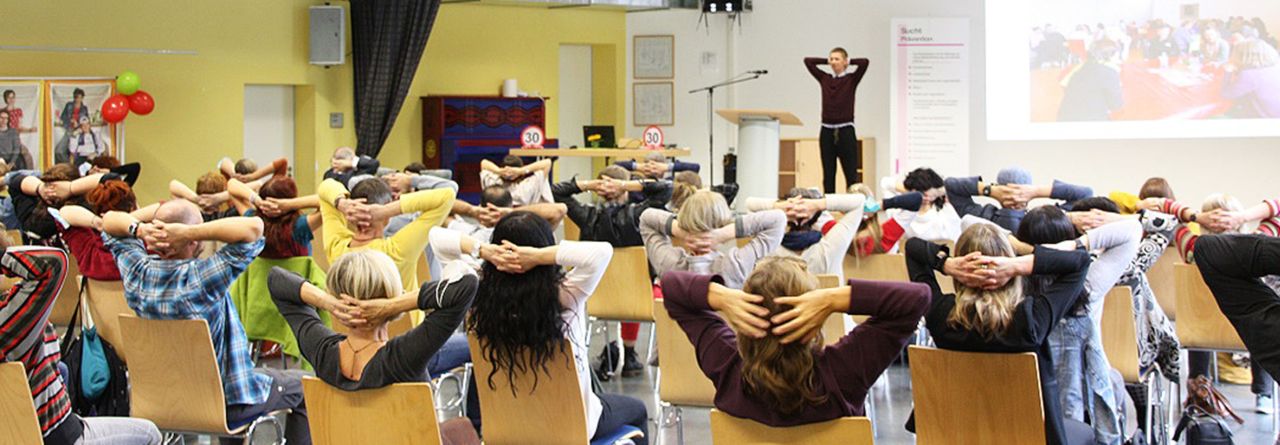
x=1164 y=62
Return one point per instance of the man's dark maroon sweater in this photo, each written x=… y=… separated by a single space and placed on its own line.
x=837 y=92
x=844 y=371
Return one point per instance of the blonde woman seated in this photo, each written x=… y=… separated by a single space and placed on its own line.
x=1005 y=304
x=765 y=356
x=689 y=240
x=364 y=294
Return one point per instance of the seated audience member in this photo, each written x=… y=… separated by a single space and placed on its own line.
x=531 y=301
x=1253 y=80
x=874 y=237
x=82 y=232
x=1153 y=187
x=33 y=195
x=1087 y=382
x=655 y=166
x=937 y=220
x=477 y=221
x=29 y=338
x=1158 y=343
x=1005 y=304
x=685 y=184
x=210 y=195
x=345 y=164
x=418 y=168
x=287 y=231
x=363 y=292
x=1014 y=190
x=245 y=170
x=401 y=183
x=617 y=222
x=784 y=376
x=689 y=240
x=357 y=220
x=1223 y=214
x=527 y=183
x=173 y=284
x=813 y=234
x=1234 y=267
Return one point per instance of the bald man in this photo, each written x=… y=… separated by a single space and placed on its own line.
x=345 y=164
x=175 y=285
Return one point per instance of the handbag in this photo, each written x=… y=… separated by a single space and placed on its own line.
x=1203 y=415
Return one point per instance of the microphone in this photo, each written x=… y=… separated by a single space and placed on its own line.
x=758 y=72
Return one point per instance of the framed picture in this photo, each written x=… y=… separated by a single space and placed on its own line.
x=653 y=103
x=654 y=57
x=21 y=123
x=77 y=131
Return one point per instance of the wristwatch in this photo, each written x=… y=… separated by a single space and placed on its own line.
x=133 y=229
x=986 y=190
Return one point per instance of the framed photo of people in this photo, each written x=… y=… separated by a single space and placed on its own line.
x=49 y=121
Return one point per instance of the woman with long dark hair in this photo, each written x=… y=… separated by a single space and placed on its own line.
x=532 y=303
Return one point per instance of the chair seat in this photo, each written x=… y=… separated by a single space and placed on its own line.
x=627 y=432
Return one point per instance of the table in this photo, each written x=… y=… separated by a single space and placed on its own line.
x=597 y=152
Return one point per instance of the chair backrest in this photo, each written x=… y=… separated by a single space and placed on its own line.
x=15 y=237
x=1120 y=333
x=625 y=292
x=391 y=415
x=318 y=252
x=106 y=304
x=1163 y=283
x=18 y=421
x=1202 y=325
x=552 y=413
x=64 y=305
x=681 y=381
x=973 y=398
x=835 y=327
x=170 y=354
x=882 y=267
x=571 y=230
x=727 y=429
x=424 y=269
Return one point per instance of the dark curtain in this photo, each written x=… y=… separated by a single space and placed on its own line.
x=387 y=39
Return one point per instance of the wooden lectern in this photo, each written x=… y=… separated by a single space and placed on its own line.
x=758 y=133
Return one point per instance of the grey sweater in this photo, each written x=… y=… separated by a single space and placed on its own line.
x=764 y=228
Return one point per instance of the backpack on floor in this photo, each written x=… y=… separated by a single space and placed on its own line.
x=1204 y=413
x=97 y=380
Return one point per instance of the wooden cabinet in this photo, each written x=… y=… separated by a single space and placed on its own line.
x=800 y=164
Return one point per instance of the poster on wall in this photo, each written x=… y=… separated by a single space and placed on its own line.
x=77 y=130
x=929 y=80
x=20 y=123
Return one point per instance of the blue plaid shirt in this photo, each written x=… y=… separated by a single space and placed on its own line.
x=196 y=288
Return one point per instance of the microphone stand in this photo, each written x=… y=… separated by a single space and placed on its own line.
x=711 y=91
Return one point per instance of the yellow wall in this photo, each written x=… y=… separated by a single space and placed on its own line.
x=200 y=99
x=474 y=47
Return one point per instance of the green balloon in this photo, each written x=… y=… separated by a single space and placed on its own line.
x=127 y=83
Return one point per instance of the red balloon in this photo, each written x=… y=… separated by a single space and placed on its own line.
x=115 y=109
x=141 y=103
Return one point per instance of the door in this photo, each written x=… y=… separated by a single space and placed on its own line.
x=268 y=123
x=575 y=107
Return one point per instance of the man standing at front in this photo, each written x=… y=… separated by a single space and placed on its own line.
x=838 y=138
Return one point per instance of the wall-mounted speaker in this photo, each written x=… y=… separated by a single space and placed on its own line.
x=328 y=35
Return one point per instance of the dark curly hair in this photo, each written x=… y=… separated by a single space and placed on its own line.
x=517 y=317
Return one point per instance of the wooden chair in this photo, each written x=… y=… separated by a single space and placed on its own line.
x=317 y=251
x=836 y=325
x=625 y=292
x=1120 y=343
x=551 y=414
x=1203 y=326
x=424 y=269
x=169 y=354
x=956 y=403
x=727 y=429
x=1164 y=284
x=18 y=421
x=681 y=382
x=391 y=415
x=64 y=305
x=571 y=230
x=882 y=267
x=15 y=237
x=106 y=303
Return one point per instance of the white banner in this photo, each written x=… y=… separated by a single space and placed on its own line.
x=929 y=80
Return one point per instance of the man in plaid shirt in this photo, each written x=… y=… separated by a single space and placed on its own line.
x=174 y=284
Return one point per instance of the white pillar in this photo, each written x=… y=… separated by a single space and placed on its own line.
x=757 y=159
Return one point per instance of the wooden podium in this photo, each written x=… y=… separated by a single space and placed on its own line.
x=758 y=134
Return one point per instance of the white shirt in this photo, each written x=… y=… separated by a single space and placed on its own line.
x=585 y=263
x=533 y=189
